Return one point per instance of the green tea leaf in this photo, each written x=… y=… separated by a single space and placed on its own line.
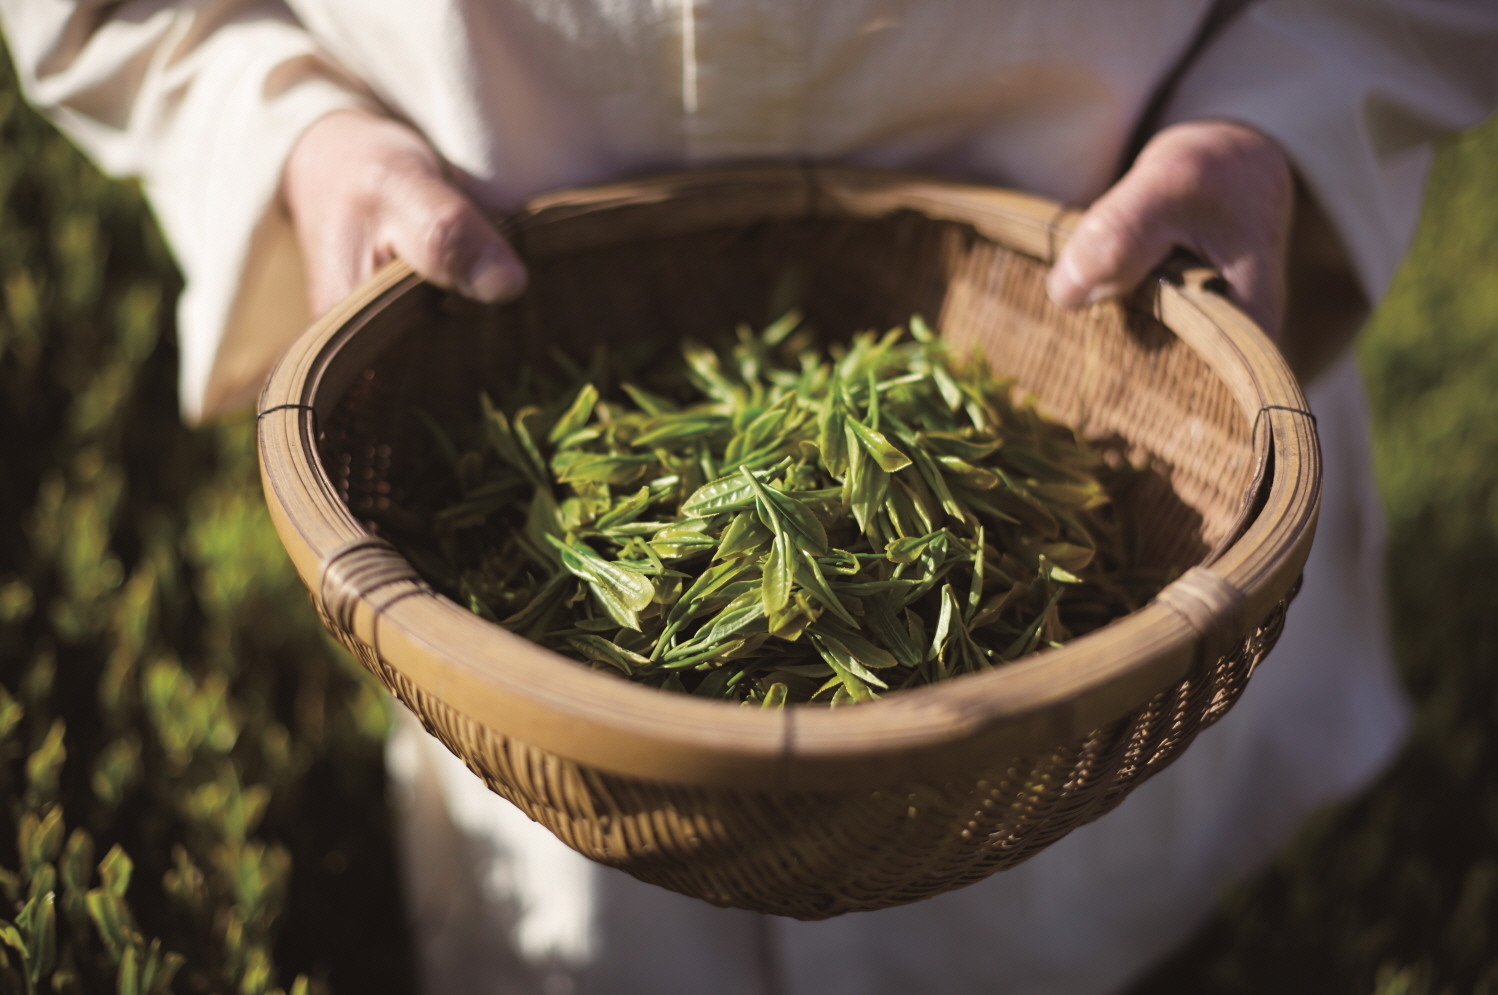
x=909 y=550
x=776 y=696
x=959 y=444
x=893 y=630
x=677 y=427
x=779 y=575
x=945 y=622
x=877 y=446
x=854 y=676
x=728 y=493
x=601 y=650
x=809 y=575
x=865 y=490
x=743 y=535
x=831 y=436
x=626 y=511
x=743 y=616
x=676 y=541
x=867 y=653
x=651 y=404
x=621 y=591
x=576 y=416
x=572 y=466
x=782 y=513
x=980 y=477
x=503 y=440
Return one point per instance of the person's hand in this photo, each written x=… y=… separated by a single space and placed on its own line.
x=1220 y=190
x=363 y=189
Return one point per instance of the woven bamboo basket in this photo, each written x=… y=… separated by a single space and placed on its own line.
x=807 y=811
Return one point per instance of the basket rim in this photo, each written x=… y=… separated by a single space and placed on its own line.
x=566 y=708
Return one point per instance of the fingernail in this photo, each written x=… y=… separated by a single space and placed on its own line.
x=495 y=275
x=1103 y=292
x=1068 y=289
x=1065 y=285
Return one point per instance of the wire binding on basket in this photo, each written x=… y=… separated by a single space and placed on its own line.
x=289 y=406
x=1259 y=415
x=357 y=569
x=1214 y=609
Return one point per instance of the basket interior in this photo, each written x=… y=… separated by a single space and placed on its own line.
x=1116 y=374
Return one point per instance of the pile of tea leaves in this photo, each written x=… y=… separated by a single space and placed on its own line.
x=777 y=521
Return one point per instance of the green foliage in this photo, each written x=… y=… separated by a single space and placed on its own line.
x=191 y=794
x=735 y=540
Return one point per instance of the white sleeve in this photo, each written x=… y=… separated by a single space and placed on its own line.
x=201 y=100
x=1356 y=92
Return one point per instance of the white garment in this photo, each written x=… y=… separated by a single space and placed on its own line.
x=203 y=98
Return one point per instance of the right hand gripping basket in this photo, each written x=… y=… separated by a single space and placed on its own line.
x=810 y=812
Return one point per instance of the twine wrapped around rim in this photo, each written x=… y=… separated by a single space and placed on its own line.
x=810 y=812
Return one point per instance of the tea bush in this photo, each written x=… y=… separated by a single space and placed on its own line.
x=191 y=790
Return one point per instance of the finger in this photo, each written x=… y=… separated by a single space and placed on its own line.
x=1125 y=234
x=1128 y=231
x=1256 y=282
x=447 y=240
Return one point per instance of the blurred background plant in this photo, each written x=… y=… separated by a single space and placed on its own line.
x=191 y=784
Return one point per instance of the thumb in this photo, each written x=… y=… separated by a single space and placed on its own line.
x=446 y=239
x=1121 y=237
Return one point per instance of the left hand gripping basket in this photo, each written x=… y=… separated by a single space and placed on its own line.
x=806 y=811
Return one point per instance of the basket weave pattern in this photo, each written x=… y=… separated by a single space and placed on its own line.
x=813 y=855
x=813 y=830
